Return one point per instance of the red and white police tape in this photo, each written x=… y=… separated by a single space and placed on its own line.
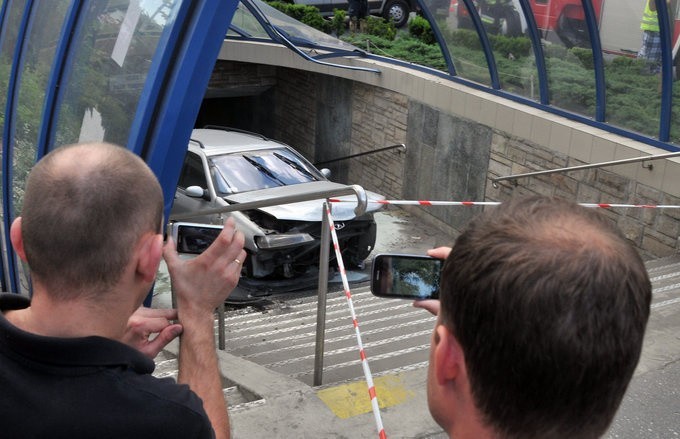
x=355 y=322
x=496 y=203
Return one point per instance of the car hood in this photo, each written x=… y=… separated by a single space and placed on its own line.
x=307 y=210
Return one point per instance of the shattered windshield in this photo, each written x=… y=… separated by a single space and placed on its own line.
x=261 y=169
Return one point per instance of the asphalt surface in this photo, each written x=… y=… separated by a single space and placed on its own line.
x=268 y=361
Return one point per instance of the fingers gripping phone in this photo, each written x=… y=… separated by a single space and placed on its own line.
x=406 y=276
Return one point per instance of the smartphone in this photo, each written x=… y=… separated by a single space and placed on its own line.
x=406 y=276
x=194 y=238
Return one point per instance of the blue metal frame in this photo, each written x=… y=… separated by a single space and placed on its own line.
x=598 y=61
x=3 y=281
x=66 y=38
x=152 y=88
x=3 y=9
x=177 y=103
x=666 y=71
x=532 y=27
x=486 y=45
x=439 y=38
x=7 y=152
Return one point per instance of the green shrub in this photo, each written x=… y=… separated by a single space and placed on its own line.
x=380 y=27
x=419 y=27
x=515 y=46
x=338 y=21
x=585 y=56
x=465 y=38
x=308 y=15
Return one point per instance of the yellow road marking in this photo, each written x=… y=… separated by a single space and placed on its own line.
x=352 y=399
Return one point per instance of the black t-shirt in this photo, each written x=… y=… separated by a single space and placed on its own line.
x=90 y=387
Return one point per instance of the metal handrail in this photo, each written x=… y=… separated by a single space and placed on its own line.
x=361 y=154
x=362 y=202
x=494 y=181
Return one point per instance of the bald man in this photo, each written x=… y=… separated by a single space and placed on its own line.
x=90 y=231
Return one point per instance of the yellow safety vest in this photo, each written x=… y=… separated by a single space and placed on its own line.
x=650 y=21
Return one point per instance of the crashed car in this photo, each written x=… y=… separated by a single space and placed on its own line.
x=226 y=166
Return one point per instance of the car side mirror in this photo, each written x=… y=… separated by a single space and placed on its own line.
x=197 y=192
x=326 y=172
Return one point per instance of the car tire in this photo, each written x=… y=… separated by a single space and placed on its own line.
x=513 y=24
x=359 y=247
x=398 y=11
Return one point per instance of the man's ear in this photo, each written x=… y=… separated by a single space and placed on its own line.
x=149 y=253
x=17 y=238
x=448 y=357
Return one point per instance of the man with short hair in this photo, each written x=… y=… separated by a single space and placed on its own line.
x=90 y=231
x=542 y=312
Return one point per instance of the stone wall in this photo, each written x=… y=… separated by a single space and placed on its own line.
x=654 y=231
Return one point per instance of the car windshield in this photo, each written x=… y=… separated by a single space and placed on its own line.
x=253 y=170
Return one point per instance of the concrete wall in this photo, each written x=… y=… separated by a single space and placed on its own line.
x=457 y=140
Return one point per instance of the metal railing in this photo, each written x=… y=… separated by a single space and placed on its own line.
x=401 y=146
x=324 y=254
x=494 y=181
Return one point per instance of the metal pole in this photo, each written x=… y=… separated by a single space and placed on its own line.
x=221 y=328
x=324 y=256
x=494 y=181
x=361 y=154
x=302 y=194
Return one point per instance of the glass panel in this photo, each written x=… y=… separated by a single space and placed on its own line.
x=37 y=58
x=674 y=12
x=463 y=42
x=10 y=30
x=568 y=54
x=632 y=70
x=300 y=34
x=113 y=54
x=245 y=24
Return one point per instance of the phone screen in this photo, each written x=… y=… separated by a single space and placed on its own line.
x=406 y=276
x=194 y=238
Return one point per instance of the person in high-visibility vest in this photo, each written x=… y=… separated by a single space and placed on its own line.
x=651 y=37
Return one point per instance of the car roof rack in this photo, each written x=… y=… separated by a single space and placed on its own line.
x=200 y=144
x=236 y=130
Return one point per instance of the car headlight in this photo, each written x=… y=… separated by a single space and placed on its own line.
x=282 y=240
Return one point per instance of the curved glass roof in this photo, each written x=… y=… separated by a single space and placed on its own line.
x=589 y=60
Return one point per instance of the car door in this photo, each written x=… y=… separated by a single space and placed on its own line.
x=194 y=173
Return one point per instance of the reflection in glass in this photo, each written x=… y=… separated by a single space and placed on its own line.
x=568 y=55
x=37 y=58
x=113 y=55
x=462 y=41
x=11 y=29
x=633 y=73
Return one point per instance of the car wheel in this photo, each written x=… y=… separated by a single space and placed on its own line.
x=512 y=24
x=359 y=247
x=397 y=11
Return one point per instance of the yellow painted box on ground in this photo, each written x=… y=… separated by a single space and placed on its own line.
x=352 y=399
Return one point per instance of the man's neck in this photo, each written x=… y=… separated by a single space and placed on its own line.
x=70 y=319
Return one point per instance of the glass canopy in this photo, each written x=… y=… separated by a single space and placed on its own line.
x=594 y=61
